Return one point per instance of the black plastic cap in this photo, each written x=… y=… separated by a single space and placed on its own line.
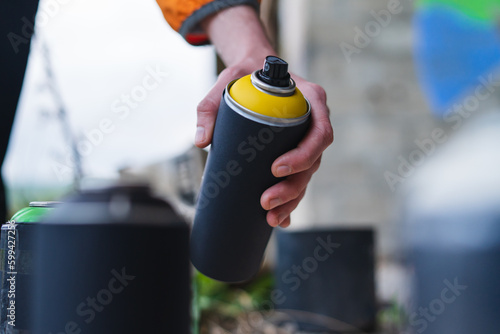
x=275 y=72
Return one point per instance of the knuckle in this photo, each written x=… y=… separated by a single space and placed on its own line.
x=325 y=133
x=308 y=162
x=301 y=195
x=319 y=92
x=331 y=136
x=328 y=112
x=233 y=72
x=206 y=107
x=295 y=193
x=316 y=165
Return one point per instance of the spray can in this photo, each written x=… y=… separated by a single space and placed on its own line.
x=16 y=247
x=112 y=260
x=261 y=116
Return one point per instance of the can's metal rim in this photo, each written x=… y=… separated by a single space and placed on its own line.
x=263 y=119
x=269 y=89
x=47 y=204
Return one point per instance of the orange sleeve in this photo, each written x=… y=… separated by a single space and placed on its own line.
x=184 y=16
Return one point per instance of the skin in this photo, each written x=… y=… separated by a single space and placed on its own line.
x=241 y=42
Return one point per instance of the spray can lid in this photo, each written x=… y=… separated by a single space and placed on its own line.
x=270 y=92
x=45 y=204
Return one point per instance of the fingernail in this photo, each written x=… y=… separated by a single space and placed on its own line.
x=281 y=218
x=283 y=170
x=274 y=203
x=200 y=135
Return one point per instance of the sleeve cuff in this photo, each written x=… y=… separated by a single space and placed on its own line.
x=190 y=28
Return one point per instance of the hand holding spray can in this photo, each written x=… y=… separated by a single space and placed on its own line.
x=261 y=117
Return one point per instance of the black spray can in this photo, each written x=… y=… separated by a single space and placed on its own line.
x=113 y=260
x=17 y=258
x=261 y=116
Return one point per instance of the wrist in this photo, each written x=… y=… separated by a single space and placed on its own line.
x=238 y=36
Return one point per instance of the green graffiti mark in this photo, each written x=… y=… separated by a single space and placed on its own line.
x=483 y=10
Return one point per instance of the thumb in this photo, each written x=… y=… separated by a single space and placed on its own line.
x=207 y=112
x=208 y=107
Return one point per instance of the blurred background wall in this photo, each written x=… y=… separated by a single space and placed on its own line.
x=374 y=66
x=377 y=111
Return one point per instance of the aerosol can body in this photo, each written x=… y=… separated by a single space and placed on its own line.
x=261 y=117
x=112 y=260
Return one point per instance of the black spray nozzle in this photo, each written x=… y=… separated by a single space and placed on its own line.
x=275 y=72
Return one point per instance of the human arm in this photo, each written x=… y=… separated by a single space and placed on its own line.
x=241 y=42
x=237 y=34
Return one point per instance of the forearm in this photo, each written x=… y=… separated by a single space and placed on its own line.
x=238 y=36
